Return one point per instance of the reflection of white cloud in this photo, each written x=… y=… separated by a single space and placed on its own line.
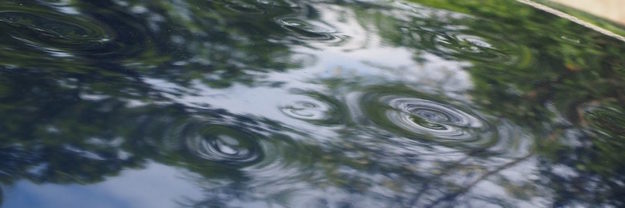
x=521 y=190
x=155 y=186
x=258 y=101
x=366 y=56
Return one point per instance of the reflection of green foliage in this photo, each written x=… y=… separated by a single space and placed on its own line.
x=82 y=118
x=50 y=133
x=569 y=64
x=608 y=124
x=552 y=68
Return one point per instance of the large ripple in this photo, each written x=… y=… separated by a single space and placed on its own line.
x=424 y=118
x=431 y=118
x=53 y=28
x=238 y=147
x=62 y=35
x=227 y=143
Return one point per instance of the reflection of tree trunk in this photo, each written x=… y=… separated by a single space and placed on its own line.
x=481 y=178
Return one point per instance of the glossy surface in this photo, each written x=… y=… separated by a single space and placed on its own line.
x=307 y=104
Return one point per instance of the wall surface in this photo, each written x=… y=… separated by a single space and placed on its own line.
x=610 y=9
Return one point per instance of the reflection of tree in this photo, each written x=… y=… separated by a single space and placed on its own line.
x=110 y=107
x=215 y=45
x=545 y=85
x=72 y=118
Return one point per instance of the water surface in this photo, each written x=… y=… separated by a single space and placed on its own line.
x=312 y=103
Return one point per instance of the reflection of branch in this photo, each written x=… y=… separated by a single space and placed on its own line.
x=481 y=178
x=426 y=186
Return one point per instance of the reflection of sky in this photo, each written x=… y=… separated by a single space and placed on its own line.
x=364 y=58
x=155 y=186
x=365 y=55
x=523 y=175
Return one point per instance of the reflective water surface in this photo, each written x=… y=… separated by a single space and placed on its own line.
x=311 y=103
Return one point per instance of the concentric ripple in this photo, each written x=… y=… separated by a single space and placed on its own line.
x=429 y=117
x=468 y=45
x=54 y=28
x=422 y=117
x=89 y=34
x=226 y=142
x=47 y=29
x=232 y=145
x=217 y=142
x=305 y=110
x=465 y=46
x=314 y=108
x=243 y=7
x=307 y=30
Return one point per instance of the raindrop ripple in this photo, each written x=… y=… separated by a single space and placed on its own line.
x=88 y=34
x=419 y=117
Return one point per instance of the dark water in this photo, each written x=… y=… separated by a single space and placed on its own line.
x=318 y=103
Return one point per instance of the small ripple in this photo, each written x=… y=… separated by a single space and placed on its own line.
x=308 y=30
x=460 y=43
x=221 y=143
x=224 y=144
x=306 y=110
x=314 y=108
x=466 y=46
x=243 y=7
